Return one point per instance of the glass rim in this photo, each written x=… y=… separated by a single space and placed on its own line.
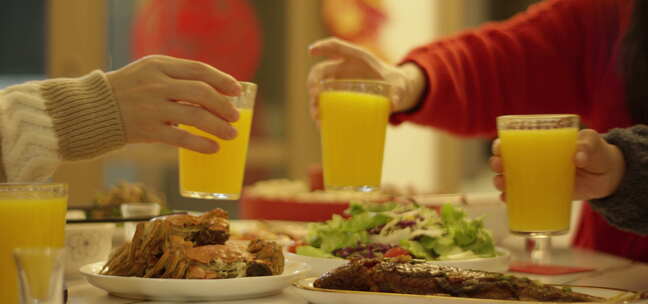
x=10 y=187
x=537 y=116
x=246 y=99
x=38 y=249
x=248 y=84
x=356 y=80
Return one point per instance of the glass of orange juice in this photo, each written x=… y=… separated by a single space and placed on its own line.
x=220 y=175
x=31 y=216
x=537 y=153
x=353 y=120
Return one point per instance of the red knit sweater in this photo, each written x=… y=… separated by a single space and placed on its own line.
x=561 y=56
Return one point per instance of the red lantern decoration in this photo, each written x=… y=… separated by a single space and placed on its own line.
x=222 y=33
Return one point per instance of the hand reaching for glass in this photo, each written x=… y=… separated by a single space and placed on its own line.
x=599 y=167
x=349 y=61
x=148 y=92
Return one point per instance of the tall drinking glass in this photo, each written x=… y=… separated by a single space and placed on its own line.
x=31 y=215
x=537 y=154
x=353 y=118
x=220 y=175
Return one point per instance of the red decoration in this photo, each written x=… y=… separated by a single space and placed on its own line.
x=260 y=208
x=357 y=21
x=222 y=33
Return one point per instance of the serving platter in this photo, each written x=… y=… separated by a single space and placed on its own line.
x=193 y=290
x=316 y=295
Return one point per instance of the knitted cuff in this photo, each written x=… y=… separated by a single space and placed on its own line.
x=86 y=116
x=627 y=207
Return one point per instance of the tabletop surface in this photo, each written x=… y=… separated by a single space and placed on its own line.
x=610 y=271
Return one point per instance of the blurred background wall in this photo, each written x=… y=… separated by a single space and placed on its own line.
x=267 y=40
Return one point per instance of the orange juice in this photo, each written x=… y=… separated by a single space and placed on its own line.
x=539 y=170
x=217 y=175
x=27 y=223
x=353 y=127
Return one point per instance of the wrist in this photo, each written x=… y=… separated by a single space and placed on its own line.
x=414 y=87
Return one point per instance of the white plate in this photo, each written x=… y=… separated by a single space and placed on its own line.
x=193 y=290
x=315 y=295
x=498 y=263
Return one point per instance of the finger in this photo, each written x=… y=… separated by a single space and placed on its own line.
x=322 y=71
x=589 y=154
x=200 y=93
x=503 y=197
x=319 y=72
x=197 y=117
x=314 y=109
x=180 y=138
x=336 y=48
x=194 y=70
x=495 y=147
x=499 y=182
x=495 y=163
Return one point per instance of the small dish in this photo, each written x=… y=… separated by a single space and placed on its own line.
x=85 y=244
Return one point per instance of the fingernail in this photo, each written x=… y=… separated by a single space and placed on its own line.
x=213 y=147
x=236 y=89
x=234 y=117
x=495 y=146
x=581 y=157
x=232 y=133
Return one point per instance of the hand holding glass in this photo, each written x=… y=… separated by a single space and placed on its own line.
x=220 y=175
x=537 y=155
x=353 y=120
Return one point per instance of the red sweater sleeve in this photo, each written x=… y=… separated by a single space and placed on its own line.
x=532 y=63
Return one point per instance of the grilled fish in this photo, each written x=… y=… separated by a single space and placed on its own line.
x=404 y=275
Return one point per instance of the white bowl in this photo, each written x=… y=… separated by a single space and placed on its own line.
x=85 y=244
x=498 y=263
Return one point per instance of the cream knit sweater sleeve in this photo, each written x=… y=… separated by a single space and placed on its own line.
x=45 y=122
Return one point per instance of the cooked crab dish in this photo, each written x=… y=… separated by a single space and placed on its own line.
x=193 y=247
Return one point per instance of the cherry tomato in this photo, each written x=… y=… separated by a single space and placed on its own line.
x=293 y=248
x=396 y=251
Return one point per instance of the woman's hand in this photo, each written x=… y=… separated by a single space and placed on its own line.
x=348 y=61
x=599 y=167
x=148 y=92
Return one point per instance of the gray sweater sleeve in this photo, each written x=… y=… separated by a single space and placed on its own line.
x=627 y=208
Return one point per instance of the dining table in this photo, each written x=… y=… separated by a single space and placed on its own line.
x=604 y=270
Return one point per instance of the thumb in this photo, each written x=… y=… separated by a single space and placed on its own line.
x=336 y=48
x=591 y=154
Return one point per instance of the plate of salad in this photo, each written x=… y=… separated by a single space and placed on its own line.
x=374 y=230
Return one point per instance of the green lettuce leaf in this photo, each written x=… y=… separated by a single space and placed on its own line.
x=333 y=240
x=440 y=245
x=339 y=232
x=467 y=234
x=416 y=249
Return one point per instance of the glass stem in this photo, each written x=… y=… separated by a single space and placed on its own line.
x=540 y=248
